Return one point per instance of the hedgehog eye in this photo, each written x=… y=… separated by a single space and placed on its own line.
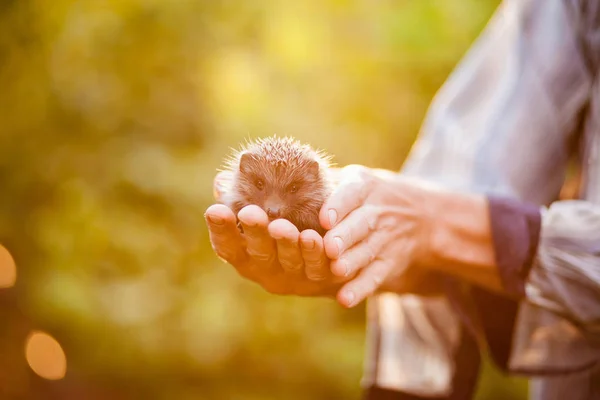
x=259 y=184
x=293 y=188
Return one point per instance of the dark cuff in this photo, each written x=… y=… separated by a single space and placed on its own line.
x=515 y=232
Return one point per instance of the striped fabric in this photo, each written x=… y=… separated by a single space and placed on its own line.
x=523 y=100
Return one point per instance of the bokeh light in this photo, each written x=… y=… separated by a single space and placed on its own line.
x=8 y=269
x=45 y=356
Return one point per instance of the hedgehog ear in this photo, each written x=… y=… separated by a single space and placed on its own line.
x=246 y=159
x=313 y=168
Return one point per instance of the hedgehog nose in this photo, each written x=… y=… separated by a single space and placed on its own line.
x=273 y=212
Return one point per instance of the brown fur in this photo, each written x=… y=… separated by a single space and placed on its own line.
x=279 y=173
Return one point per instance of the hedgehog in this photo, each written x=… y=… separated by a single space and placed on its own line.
x=281 y=175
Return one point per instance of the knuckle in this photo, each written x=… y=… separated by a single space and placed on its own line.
x=315 y=269
x=316 y=275
x=379 y=273
x=312 y=265
x=260 y=255
x=387 y=220
x=356 y=170
x=364 y=174
x=368 y=186
x=351 y=269
x=253 y=233
x=289 y=263
x=312 y=255
x=369 y=217
x=311 y=261
x=346 y=239
x=377 y=280
x=369 y=252
x=287 y=245
x=291 y=266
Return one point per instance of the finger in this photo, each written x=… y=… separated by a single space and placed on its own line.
x=361 y=254
x=286 y=236
x=351 y=193
x=259 y=245
x=365 y=284
x=225 y=237
x=350 y=231
x=316 y=265
x=220 y=184
x=358 y=256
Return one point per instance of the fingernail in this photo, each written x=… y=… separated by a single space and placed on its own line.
x=338 y=244
x=349 y=296
x=215 y=220
x=332 y=217
x=308 y=244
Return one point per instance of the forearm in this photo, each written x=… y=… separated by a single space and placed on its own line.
x=484 y=240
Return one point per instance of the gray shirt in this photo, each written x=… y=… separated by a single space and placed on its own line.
x=523 y=100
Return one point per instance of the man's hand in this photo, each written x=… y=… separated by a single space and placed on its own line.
x=402 y=234
x=380 y=227
x=275 y=255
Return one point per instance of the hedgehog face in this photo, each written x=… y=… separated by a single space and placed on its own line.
x=283 y=177
x=282 y=188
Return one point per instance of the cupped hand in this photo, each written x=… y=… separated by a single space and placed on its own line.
x=274 y=255
x=379 y=231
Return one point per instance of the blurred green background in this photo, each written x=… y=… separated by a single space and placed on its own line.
x=115 y=115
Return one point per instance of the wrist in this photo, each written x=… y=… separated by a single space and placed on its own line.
x=459 y=239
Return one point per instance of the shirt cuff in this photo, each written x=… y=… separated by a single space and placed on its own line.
x=515 y=232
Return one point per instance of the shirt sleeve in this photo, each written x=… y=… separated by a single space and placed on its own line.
x=551 y=256
x=557 y=330
x=565 y=274
x=515 y=229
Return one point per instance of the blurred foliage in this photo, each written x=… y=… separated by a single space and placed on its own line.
x=114 y=116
